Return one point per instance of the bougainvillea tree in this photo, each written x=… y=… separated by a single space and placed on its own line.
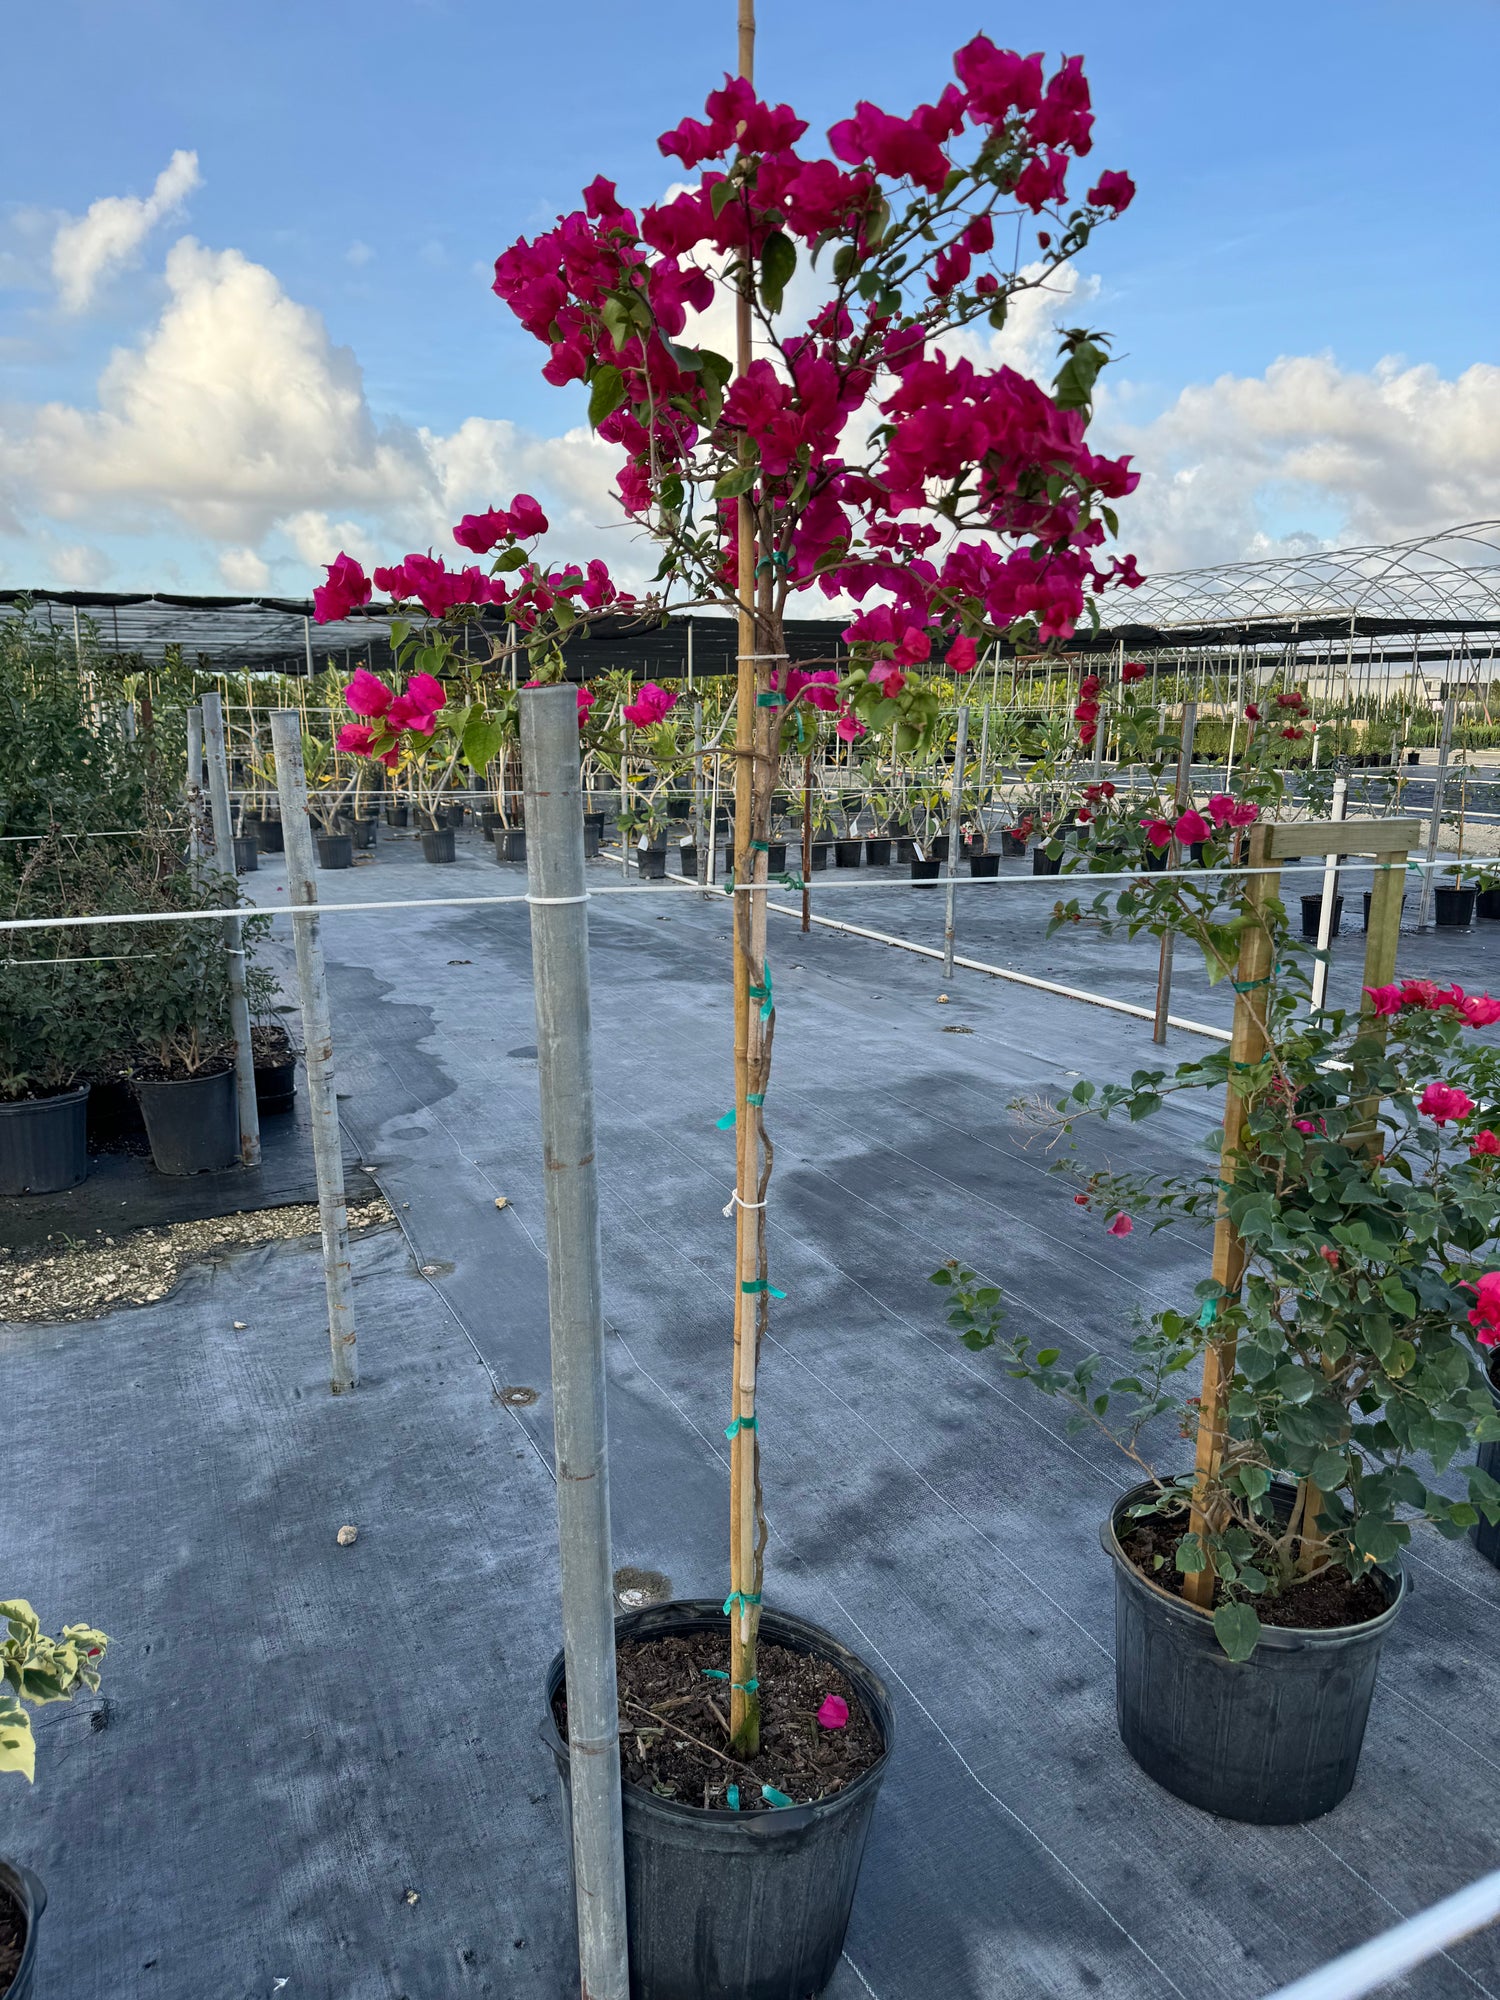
x=861 y=442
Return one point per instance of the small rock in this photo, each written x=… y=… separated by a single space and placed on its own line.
x=942 y=999
x=240 y=1325
x=502 y=1201
x=413 y=1896
x=347 y=1536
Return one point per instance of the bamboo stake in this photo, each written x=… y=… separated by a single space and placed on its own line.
x=1247 y=1044
x=750 y=1047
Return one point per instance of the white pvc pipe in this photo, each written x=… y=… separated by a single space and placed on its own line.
x=1371 y=1966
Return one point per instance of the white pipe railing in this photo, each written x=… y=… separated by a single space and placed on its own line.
x=1370 y=1966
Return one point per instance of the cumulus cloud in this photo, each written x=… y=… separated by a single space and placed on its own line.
x=1311 y=455
x=243 y=569
x=87 y=248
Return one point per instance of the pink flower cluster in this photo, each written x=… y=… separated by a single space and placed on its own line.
x=347 y=587
x=1445 y=1104
x=608 y=292
x=1191 y=827
x=1426 y=996
x=483 y=532
x=1484 y=1315
x=650 y=705
x=389 y=715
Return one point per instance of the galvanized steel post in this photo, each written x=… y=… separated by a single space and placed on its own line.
x=955 y=821
x=317 y=1037
x=234 y=931
x=559 y=951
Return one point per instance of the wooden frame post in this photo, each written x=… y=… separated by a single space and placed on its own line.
x=1389 y=841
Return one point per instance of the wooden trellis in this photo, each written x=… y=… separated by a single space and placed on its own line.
x=1389 y=842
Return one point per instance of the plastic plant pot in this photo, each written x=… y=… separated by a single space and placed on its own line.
x=1486 y=1535
x=1043 y=864
x=776 y=857
x=651 y=863
x=335 y=850
x=1013 y=844
x=488 y=821
x=1312 y=910
x=452 y=816
x=984 y=865
x=362 y=832
x=1367 y=908
x=925 y=871
x=396 y=815
x=438 y=845
x=878 y=853
x=906 y=850
x=739 y=1906
x=276 y=1085
x=819 y=853
x=937 y=847
x=1273 y=1740
x=246 y=854
x=44 y=1143
x=192 y=1122
x=270 y=837
x=24 y=1890
x=510 y=843
x=1454 y=906
x=848 y=853
x=591 y=838
x=1487 y=904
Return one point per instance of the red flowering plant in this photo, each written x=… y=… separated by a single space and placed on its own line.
x=865 y=449
x=419 y=732
x=1364 y=1189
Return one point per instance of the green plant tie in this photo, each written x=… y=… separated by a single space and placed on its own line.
x=1249 y=985
x=723 y=1124
x=760 y=1285
x=763 y=995
x=743 y=1598
x=718 y=1674
x=732 y=1798
x=771 y=700
x=778 y=559
x=772 y=1797
x=760 y=847
x=741 y=1424
x=790 y=881
x=1209 y=1313
x=755 y=1097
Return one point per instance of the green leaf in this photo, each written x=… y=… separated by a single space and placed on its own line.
x=1237 y=1630
x=778 y=260
x=720 y=195
x=1190 y=1556
x=512 y=559
x=941 y=1278
x=734 y=483
x=482 y=738
x=606 y=394
x=17 y=1744
x=1073 y=385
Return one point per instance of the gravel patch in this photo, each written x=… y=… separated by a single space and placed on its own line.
x=70 y=1278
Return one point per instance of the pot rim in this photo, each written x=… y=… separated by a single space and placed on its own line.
x=225 y=1067
x=1280 y=1638
x=702 y=1613
x=53 y=1097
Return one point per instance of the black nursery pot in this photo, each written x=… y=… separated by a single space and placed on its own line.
x=452 y=816
x=192 y=1122
x=906 y=850
x=1273 y=1740
x=510 y=843
x=739 y=1906
x=437 y=845
x=488 y=821
x=1487 y=904
x=396 y=815
x=1012 y=844
x=19 y=1886
x=925 y=871
x=246 y=854
x=276 y=1085
x=848 y=853
x=1043 y=864
x=878 y=853
x=44 y=1143
x=335 y=850
x=596 y=821
x=819 y=852
x=937 y=847
x=984 y=864
x=651 y=863
x=362 y=832
x=1367 y=909
x=270 y=837
x=1312 y=909
x=1484 y=1535
x=1454 y=906
x=775 y=857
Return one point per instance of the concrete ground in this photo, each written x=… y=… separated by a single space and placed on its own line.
x=296 y=1739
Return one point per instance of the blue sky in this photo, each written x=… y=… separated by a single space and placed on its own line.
x=1314 y=182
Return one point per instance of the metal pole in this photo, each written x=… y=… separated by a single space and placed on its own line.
x=1168 y=940
x=234 y=933
x=702 y=869
x=560 y=966
x=317 y=1038
x=955 y=813
x=307 y=644
x=1369 y=1967
x=1330 y=891
x=1435 y=820
x=194 y=786
x=807 y=841
x=690 y=655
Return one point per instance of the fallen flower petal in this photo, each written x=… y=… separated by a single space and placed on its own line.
x=834 y=1714
x=1121 y=1226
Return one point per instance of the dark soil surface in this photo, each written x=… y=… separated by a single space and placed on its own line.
x=12 y=1938
x=270 y=1044
x=1319 y=1605
x=674 y=1725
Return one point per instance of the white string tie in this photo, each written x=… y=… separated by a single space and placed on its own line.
x=728 y=1208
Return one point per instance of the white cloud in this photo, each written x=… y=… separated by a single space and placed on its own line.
x=358 y=254
x=87 y=248
x=79 y=566
x=243 y=569
x=1309 y=454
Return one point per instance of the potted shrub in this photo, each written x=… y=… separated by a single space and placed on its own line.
x=1340 y=1340
x=53 y=1029
x=1453 y=903
x=274 y=1051
x=758 y=486
x=34 y=1670
x=183 y=1072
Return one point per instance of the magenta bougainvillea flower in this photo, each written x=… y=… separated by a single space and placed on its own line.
x=649 y=706
x=1192 y=826
x=1113 y=190
x=1158 y=832
x=1387 y=1000
x=1133 y=671
x=367 y=694
x=1479 y=1010
x=1484 y=1316
x=1225 y=810
x=1444 y=1103
x=834 y=1713
x=347 y=586
x=355 y=737
x=1121 y=1226
x=1486 y=1146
